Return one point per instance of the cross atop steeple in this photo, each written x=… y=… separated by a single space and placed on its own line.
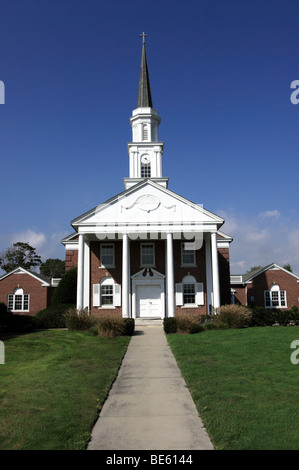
x=143 y=35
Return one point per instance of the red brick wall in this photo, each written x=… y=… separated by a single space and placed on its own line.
x=71 y=259
x=198 y=271
x=39 y=296
x=240 y=294
x=264 y=282
x=97 y=272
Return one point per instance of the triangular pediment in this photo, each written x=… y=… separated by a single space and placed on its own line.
x=147 y=273
x=42 y=279
x=147 y=204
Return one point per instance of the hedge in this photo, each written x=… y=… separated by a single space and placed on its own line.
x=10 y=323
x=52 y=317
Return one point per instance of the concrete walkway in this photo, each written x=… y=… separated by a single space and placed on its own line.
x=149 y=406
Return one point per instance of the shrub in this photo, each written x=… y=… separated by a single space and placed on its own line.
x=102 y=325
x=66 y=291
x=234 y=316
x=129 y=324
x=188 y=323
x=52 y=316
x=80 y=320
x=110 y=325
x=16 y=323
x=3 y=308
x=170 y=325
x=263 y=316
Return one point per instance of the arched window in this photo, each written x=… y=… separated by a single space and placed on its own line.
x=189 y=293
x=189 y=290
x=106 y=294
x=18 y=301
x=275 y=297
x=106 y=286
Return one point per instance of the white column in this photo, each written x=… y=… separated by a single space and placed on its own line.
x=209 y=281
x=215 y=271
x=170 y=276
x=86 y=281
x=126 y=277
x=80 y=272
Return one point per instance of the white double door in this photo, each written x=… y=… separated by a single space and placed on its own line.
x=148 y=301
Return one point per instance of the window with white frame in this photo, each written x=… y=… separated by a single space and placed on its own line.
x=189 y=293
x=107 y=293
x=187 y=254
x=18 y=301
x=147 y=254
x=145 y=170
x=107 y=255
x=275 y=297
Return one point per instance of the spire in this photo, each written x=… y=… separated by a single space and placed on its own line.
x=144 y=99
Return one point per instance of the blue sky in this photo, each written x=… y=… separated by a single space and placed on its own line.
x=220 y=74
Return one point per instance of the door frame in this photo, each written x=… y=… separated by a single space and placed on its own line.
x=139 y=279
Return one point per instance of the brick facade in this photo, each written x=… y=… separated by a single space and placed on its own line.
x=71 y=259
x=252 y=292
x=40 y=296
x=264 y=282
x=97 y=272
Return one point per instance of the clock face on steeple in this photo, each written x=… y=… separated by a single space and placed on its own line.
x=145 y=159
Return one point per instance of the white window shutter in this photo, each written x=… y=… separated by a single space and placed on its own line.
x=199 y=296
x=96 y=295
x=117 y=295
x=179 y=294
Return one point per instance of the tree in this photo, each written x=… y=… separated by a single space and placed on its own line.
x=254 y=268
x=66 y=291
x=288 y=267
x=53 y=268
x=20 y=254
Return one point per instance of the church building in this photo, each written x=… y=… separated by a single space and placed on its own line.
x=149 y=252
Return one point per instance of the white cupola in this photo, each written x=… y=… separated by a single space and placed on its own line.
x=145 y=151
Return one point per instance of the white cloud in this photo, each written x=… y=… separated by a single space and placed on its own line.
x=46 y=245
x=36 y=240
x=269 y=214
x=260 y=240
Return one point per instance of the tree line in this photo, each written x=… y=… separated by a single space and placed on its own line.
x=23 y=255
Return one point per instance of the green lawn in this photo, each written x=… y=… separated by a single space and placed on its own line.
x=52 y=386
x=244 y=385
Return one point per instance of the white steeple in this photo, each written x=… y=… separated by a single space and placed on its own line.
x=145 y=150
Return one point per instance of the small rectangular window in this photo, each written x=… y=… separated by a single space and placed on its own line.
x=145 y=170
x=107 y=255
x=107 y=295
x=147 y=254
x=189 y=294
x=188 y=254
x=26 y=302
x=10 y=302
x=282 y=298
